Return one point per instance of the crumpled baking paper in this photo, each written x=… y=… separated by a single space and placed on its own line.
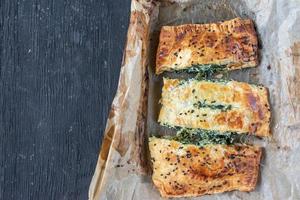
x=123 y=169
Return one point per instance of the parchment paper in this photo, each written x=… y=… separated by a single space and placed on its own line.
x=123 y=171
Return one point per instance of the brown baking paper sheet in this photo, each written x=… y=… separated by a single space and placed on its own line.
x=123 y=169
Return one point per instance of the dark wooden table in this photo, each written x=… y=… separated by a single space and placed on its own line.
x=59 y=70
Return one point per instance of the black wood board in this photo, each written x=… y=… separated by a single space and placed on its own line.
x=59 y=71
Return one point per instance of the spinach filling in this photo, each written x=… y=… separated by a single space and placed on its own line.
x=205 y=70
x=202 y=137
x=213 y=106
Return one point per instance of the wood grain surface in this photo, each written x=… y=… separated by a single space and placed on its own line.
x=59 y=70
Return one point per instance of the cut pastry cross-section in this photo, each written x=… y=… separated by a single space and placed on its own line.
x=224 y=106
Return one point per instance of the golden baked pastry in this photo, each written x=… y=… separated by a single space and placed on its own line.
x=187 y=170
x=231 y=44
